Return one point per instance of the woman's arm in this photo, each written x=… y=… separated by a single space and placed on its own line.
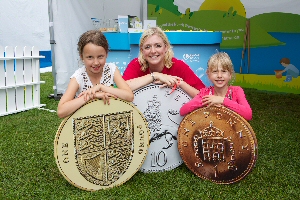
x=188 y=75
x=241 y=106
x=134 y=77
x=67 y=104
x=158 y=78
x=191 y=83
x=139 y=82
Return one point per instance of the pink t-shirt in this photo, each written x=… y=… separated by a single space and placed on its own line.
x=235 y=100
x=179 y=68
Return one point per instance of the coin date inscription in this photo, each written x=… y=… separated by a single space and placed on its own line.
x=65 y=152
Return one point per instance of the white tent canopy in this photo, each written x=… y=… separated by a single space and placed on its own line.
x=69 y=19
x=24 y=23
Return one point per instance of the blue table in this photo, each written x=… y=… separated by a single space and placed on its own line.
x=194 y=48
x=119 y=49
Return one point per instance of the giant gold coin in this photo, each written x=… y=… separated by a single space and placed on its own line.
x=217 y=144
x=101 y=146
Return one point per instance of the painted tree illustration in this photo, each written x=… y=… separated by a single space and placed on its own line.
x=158 y=9
x=187 y=13
x=230 y=12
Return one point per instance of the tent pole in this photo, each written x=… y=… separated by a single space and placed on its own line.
x=143 y=11
x=52 y=42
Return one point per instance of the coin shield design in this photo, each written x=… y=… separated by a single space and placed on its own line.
x=101 y=146
x=161 y=110
x=104 y=146
x=217 y=144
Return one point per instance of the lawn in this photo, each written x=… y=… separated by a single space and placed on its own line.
x=268 y=83
x=28 y=169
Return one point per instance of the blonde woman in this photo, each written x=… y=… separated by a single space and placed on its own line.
x=156 y=64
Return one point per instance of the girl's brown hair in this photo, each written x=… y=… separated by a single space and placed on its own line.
x=93 y=36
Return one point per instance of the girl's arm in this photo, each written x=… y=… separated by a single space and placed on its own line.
x=190 y=90
x=241 y=106
x=67 y=104
x=100 y=91
x=123 y=90
x=104 y=92
x=192 y=105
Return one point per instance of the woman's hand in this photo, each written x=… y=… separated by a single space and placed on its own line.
x=210 y=100
x=166 y=80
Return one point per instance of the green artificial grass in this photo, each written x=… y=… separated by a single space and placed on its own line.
x=28 y=169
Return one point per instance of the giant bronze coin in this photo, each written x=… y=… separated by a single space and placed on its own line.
x=160 y=107
x=217 y=144
x=101 y=146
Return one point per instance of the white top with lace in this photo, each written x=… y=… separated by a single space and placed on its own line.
x=84 y=81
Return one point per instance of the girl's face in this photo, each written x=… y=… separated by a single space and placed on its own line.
x=94 y=57
x=154 y=51
x=219 y=76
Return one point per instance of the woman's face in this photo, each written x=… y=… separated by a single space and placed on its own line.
x=154 y=51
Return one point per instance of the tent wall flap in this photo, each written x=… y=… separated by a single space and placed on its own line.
x=69 y=19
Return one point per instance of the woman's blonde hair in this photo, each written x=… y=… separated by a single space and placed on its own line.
x=225 y=61
x=169 y=54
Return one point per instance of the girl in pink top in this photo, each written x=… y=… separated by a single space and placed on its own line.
x=220 y=72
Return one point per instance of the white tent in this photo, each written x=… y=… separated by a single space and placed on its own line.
x=69 y=19
x=24 y=23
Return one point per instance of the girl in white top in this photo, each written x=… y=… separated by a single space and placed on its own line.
x=95 y=79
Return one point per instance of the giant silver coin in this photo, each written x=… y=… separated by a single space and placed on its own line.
x=161 y=110
x=101 y=146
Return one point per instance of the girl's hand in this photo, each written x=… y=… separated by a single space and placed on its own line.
x=105 y=96
x=86 y=94
x=210 y=100
x=90 y=93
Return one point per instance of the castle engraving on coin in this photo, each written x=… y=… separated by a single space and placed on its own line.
x=217 y=144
